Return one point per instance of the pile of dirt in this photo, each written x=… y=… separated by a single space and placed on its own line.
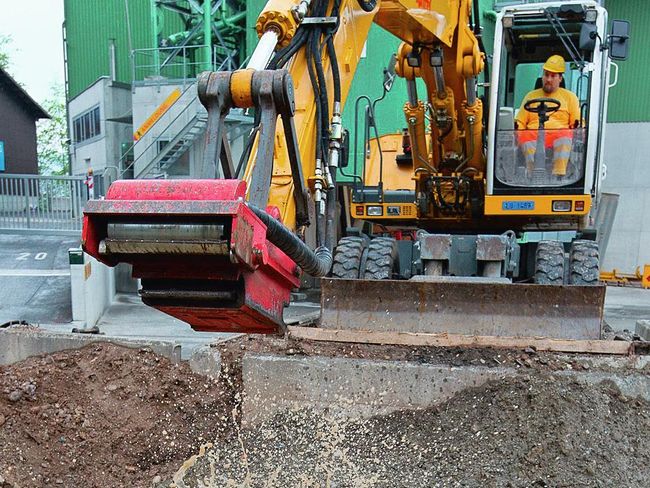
x=103 y=416
x=106 y=416
x=538 y=430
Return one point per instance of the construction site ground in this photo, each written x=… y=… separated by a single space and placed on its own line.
x=83 y=410
x=309 y=414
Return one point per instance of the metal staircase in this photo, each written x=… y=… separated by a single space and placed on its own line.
x=171 y=151
x=172 y=136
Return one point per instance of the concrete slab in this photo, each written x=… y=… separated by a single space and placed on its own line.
x=360 y=388
x=19 y=343
x=352 y=387
x=206 y=360
x=642 y=329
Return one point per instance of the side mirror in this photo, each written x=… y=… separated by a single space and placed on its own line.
x=588 y=35
x=344 y=159
x=389 y=73
x=619 y=40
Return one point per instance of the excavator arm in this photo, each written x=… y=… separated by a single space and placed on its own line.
x=224 y=253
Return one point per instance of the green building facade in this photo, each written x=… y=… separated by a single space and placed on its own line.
x=92 y=27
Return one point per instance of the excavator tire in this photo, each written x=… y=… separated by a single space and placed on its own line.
x=348 y=258
x=549 y=263
x=584 y=263
x=381 y=259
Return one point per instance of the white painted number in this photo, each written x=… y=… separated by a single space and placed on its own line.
x=38 y=257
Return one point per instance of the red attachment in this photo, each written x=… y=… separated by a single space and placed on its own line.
x=260 y=273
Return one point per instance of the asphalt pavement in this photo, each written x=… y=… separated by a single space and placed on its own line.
x=35 y=278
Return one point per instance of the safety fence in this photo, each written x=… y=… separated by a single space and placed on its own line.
x=42 y=204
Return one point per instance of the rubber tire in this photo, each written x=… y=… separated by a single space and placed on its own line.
x=348 y=257
x=381 y=259
x=584 y=263
x=549 y=263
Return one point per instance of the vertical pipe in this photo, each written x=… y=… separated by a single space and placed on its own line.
x=207 y=35
x=154 y=37
x=112 y=60
x=411 y=89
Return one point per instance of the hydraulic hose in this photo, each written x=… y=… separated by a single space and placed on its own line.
x=314 y=263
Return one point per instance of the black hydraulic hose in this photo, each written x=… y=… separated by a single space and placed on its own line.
x=247 y=150
x=476 y=18
x=320 y=74
x=314 y=263
x=314 y=85
x=284 y=55
x=367 y=5
x=331 y=211
x=336 y=75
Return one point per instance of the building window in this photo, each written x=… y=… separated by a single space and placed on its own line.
x=86 y=126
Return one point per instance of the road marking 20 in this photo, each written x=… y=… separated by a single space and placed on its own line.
x=23 y=256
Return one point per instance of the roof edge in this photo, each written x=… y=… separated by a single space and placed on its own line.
x=36 y=110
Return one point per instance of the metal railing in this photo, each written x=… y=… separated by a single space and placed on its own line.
x=183 y=62
x=169 y=62
x=128 y=168
x=42 y=204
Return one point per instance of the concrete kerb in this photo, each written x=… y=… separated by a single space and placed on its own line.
x=352 y=387
x=643 y=329
x=19 y=343
x=359 y=388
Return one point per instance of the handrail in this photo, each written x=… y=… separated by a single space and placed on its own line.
x=121 y=160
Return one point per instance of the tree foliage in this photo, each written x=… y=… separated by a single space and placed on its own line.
x=5 y=42
x=52 y=135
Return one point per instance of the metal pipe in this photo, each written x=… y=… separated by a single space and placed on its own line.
x=470 y=88
x=154 y=35
x=412 y=91
x=113 y=59
x=440 y=82
x=207 y=34
x=263 y=51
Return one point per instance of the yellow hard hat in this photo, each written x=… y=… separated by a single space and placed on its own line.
x=555 y=64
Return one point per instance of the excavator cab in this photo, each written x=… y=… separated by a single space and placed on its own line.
x=539 y=168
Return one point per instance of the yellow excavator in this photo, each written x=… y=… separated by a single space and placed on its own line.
x=434 y=229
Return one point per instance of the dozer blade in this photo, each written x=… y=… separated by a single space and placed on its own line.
x=200 y=251
x=462 y=307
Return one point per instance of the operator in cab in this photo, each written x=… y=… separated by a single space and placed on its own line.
x=567 y=116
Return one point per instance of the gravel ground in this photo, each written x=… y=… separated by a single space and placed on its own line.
x=535 y=430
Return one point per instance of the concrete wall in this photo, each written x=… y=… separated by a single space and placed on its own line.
x=92 y=289
x=103 y=151
x=627 y=156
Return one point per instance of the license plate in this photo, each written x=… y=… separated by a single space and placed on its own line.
x=518 y=205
